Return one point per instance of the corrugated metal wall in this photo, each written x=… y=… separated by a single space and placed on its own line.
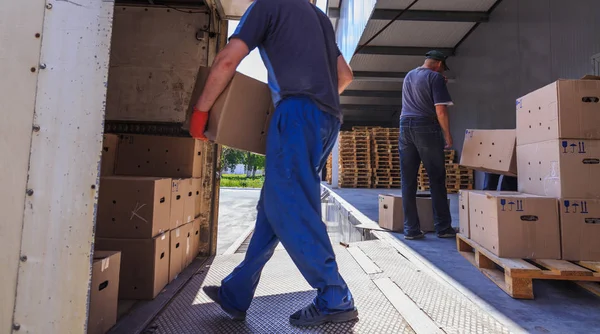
x=526 y=45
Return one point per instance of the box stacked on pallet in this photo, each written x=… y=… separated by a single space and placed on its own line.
x=355 y=159
x=147 y=205
x=457 y=177
x=552 y=221
x=385 y=158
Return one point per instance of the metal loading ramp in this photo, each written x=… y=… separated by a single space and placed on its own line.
x=392 y=295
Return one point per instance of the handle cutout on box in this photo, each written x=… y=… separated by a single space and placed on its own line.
x=162 y=199
x=103 y=286
x=530 y=218
x=177 y=245
x=178 y=197
x=592 y=220
x=590 y=99
x=591 y=161
x=162 y=255
x=385 y=206
x=190 y=194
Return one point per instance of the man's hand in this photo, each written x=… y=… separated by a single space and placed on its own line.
x=198 y=124
x=449 y=142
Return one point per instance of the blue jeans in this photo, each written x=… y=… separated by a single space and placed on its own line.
x=421 y=139
x=509 y=183
x=299 y=141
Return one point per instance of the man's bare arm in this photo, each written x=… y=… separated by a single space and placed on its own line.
x=222 y=70
x=345 y=75
x=442 y=115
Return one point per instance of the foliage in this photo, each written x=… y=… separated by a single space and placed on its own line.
x=241 y=181
x=231 y=157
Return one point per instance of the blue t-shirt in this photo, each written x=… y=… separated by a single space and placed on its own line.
x=297 y=44
x=422 y=90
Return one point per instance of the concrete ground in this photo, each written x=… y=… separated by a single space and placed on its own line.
x=237 y=213
x=558 y=307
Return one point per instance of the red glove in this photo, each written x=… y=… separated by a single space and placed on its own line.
x=198 y=124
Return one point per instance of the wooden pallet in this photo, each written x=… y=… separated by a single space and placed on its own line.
x=515 y=276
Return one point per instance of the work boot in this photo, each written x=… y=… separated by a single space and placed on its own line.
x=213 y=293
x=414 y=236
x=311 y=316
x=450 y=232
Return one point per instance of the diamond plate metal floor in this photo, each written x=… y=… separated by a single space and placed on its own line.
x=281 y=292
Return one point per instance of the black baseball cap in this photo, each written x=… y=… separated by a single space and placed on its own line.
x=438 y=55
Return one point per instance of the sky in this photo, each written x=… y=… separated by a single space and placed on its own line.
x=253 y=65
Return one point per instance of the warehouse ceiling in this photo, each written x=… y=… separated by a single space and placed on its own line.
x=380 y=66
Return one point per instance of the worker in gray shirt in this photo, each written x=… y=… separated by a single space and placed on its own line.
x=424 y=133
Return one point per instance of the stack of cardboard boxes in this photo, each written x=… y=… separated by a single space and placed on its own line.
x=556 y=213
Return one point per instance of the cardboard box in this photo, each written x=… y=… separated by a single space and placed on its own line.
x=194 y=240
x=197 y=189
x=240 y=117
x=560 y=168
x=189 y=201
x=565 y=109
x=580 y=229
x=133 y=207
x=515 y=225
x=143 y=155
x=177 y=257
x=490 y=151
x=179 y=190
x=104 y=291
x=391 y=215
x=187 y=258
x=144 y=265
x=110 y=144
x=463 y=213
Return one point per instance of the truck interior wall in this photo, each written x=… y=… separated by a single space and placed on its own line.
x=524 y=46
x=19 y=24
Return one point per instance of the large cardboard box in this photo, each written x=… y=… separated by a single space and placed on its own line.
x=391 y=215
x=144 y=265
x=197 y=189
x=110 y=144
x=490 y=151
x=133 y=207
x=177 y=258
x=179 y=191
x=143 y=155
x=187 y=257
x=189 y=201
x=580 y=229
x=560 y=168
x=104 y=292
x=194 y=240
x=515 y=225
x=240 y=117
x=565 y=109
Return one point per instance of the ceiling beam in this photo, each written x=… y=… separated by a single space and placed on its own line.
x=403 y=50
x=373 y=93
x=371 y=107
x=423 y=15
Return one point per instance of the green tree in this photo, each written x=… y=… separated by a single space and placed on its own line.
x=253 y=163
x=230 y=158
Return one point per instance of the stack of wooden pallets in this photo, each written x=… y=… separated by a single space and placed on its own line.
x=457 y=177
x=328 y=169
x=355 y=159
x=385 y=158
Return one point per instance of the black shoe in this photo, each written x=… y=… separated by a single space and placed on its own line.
x=311 y=316
x=450 y=232
x=213 y=293
x=415 y=236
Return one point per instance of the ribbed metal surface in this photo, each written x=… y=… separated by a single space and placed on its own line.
x=450 y=310
x=281 y=292
x=464 y=5
x=416 y=33
x=361 y=62
x=375 y=85
x=354 y=16
x=371 y=100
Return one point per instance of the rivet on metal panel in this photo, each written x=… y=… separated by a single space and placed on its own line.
x=42 y=66
x=49 y=6
x=36 y=128
x=30 y=192
x=23 y=258
x=16 y=326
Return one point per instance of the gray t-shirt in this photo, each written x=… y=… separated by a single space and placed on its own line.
x=422 y=90
x=297 y=44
